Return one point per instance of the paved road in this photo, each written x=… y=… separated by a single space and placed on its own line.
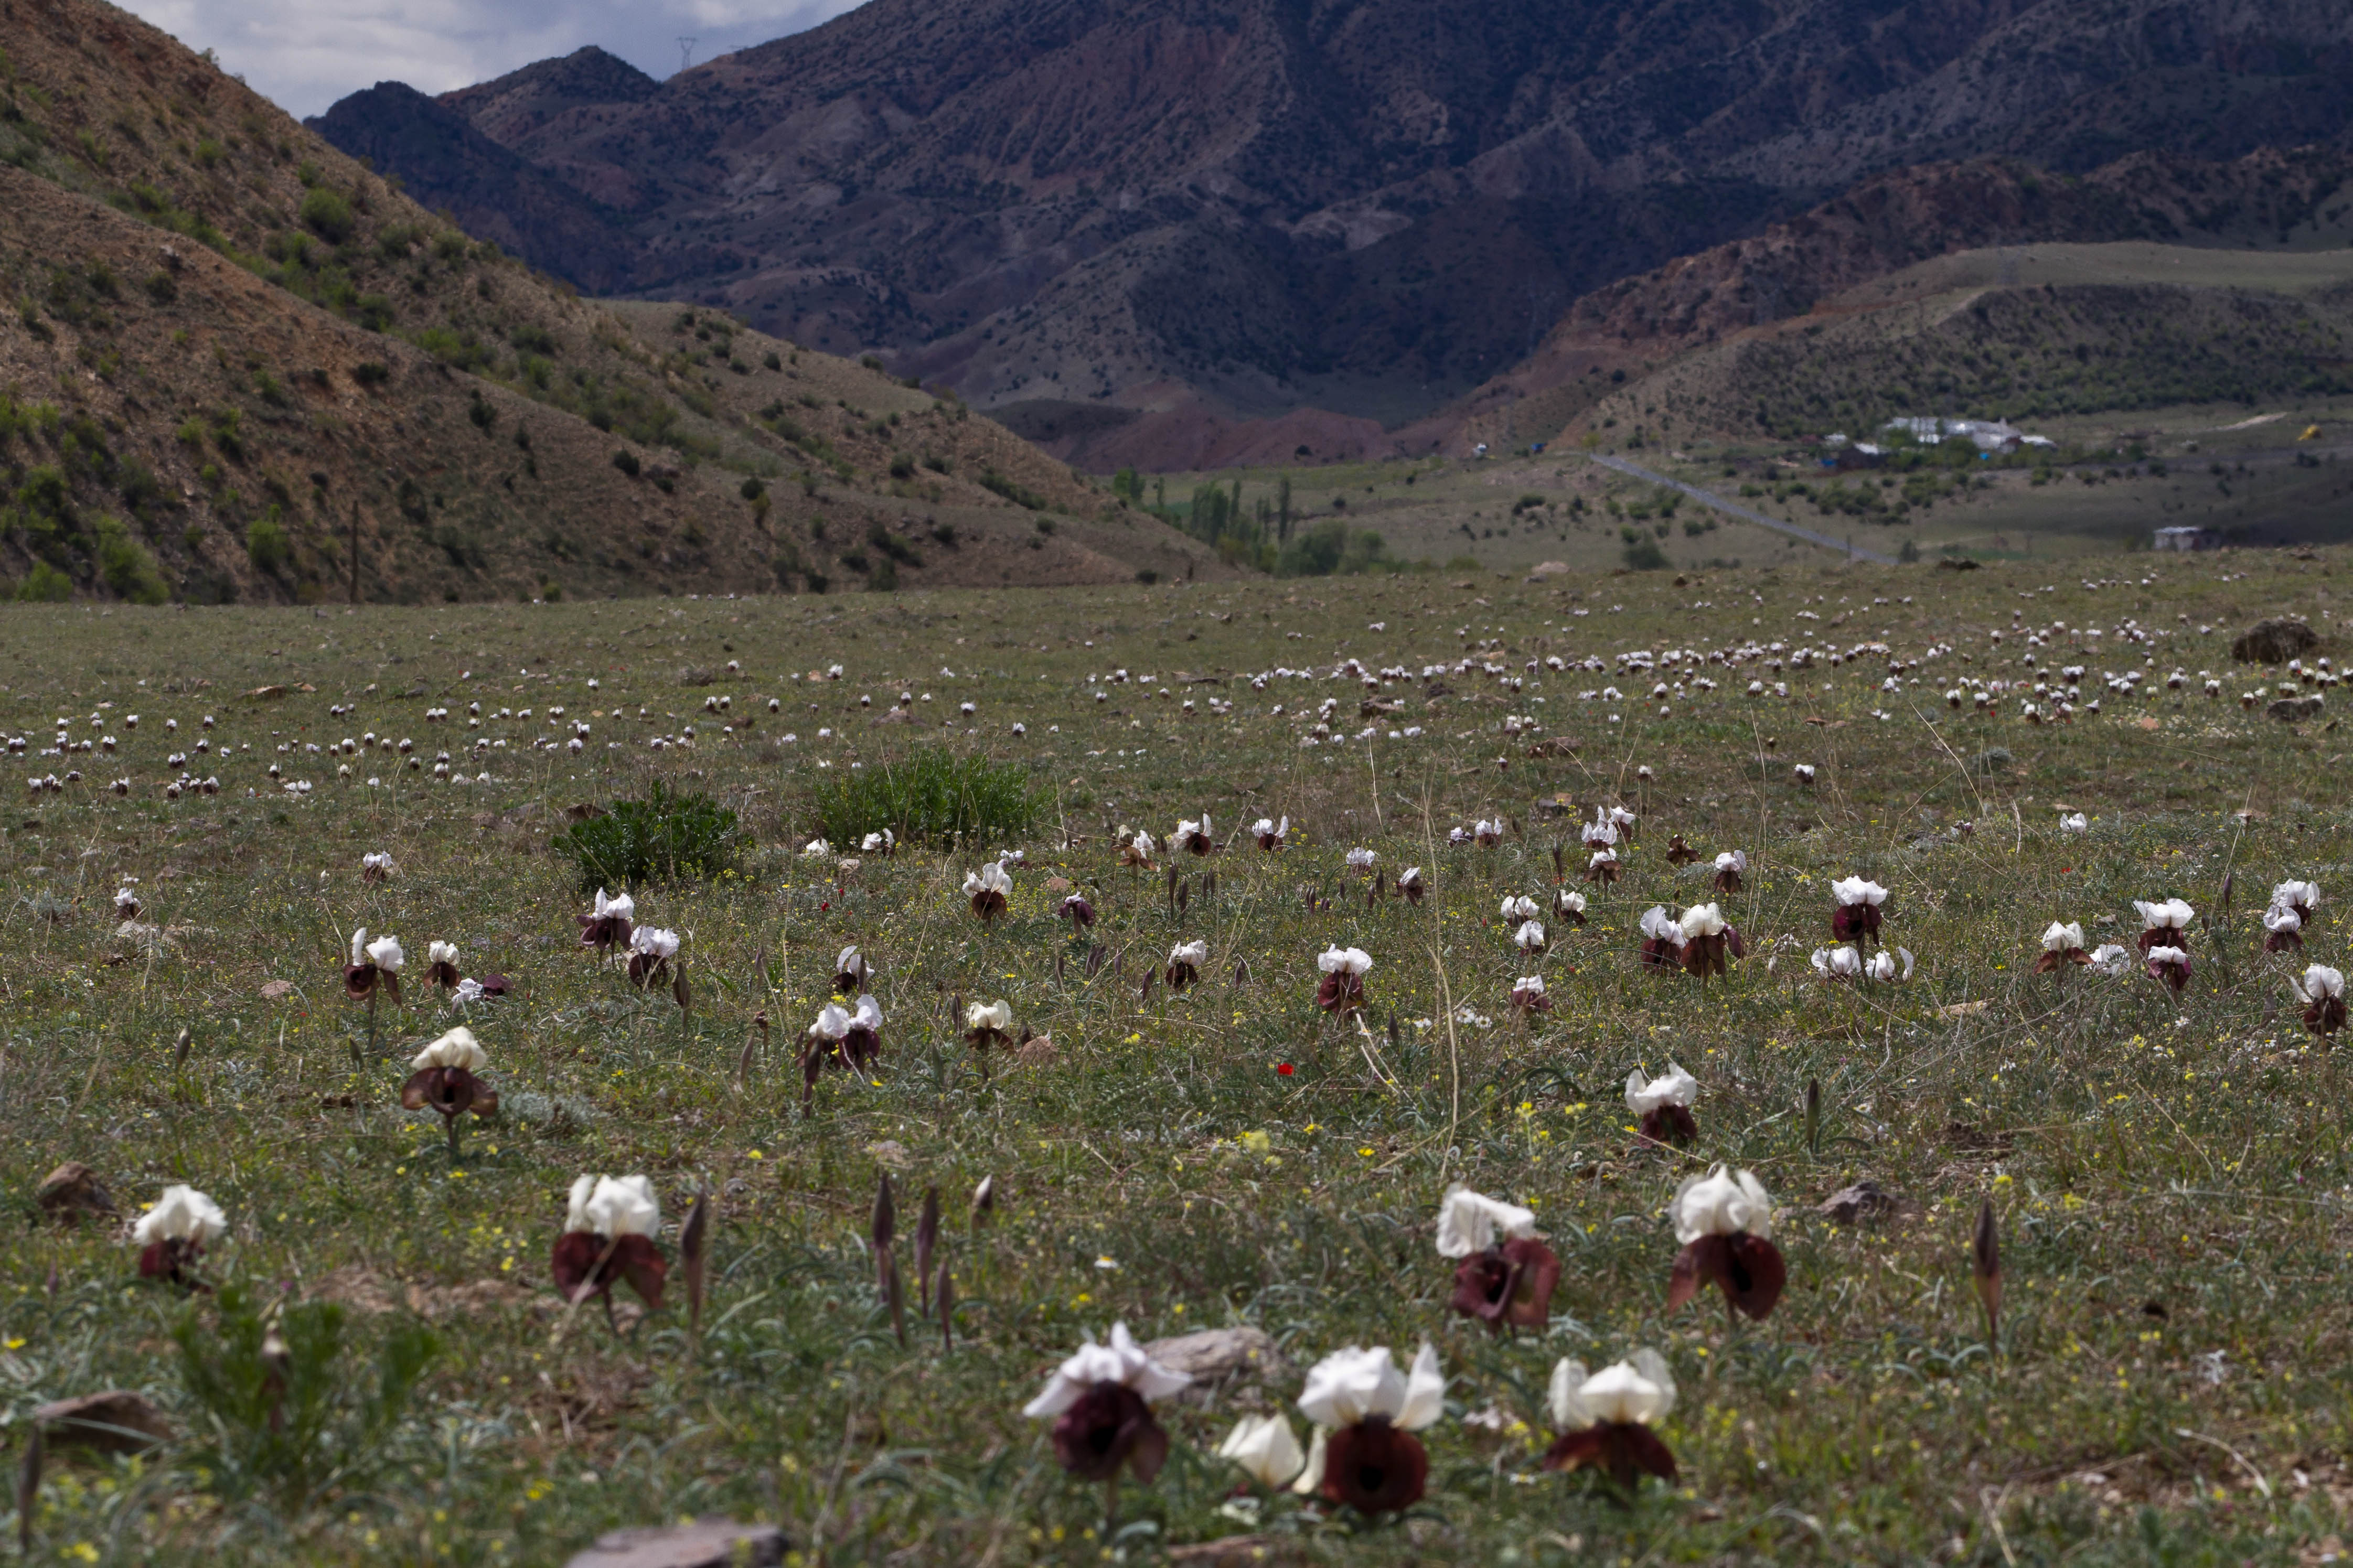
x=1735 y=509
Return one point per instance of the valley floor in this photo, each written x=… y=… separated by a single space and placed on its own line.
x=2168 y=1170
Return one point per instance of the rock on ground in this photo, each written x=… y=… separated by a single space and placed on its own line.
x=706 y=1543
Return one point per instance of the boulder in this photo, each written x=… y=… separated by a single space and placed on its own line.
x=2274 y=641
x=2295 y=709
x=705 y=1543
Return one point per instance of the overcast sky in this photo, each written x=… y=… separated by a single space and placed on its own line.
x=305 y=55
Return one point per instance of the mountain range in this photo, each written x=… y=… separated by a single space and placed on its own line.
x=1206 y=227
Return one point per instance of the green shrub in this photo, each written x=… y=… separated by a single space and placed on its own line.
x=1644 y=555
x=667 y=836
x=45 y=584
x=371 y=373
x=138 y=485
x=627 y=461
x=266 y=541
x=297 y=1418
x=44 y=492
x=1332 y=547
x=228 y=432
x=894 y=547
x=463 y=350
x=127 y=565
x=1018 y=494
x=933 y=796
x=328 y=214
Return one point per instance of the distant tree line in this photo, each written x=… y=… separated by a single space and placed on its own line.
x=1266 y=533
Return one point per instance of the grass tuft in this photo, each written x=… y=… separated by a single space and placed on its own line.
x=933 y=796
x=667 y=837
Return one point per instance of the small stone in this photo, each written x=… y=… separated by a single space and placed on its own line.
x=705 y=1543
x=1213 y=1355
x=115 y=1421
x=277 y=990
x=891 y=1152
x=71 y=1191
x=1866 y=1200
x=1239 y=1552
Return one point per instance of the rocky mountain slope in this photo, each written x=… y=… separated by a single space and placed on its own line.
x=237 y=354
x=1369 y=208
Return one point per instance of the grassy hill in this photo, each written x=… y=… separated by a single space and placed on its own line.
x=234 y=349
x=2018 y=351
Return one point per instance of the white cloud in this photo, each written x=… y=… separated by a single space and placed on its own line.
x=304 y=56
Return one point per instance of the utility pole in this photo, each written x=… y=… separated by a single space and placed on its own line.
x=685 y=51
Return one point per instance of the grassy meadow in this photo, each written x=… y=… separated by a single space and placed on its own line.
x=2170 y=1174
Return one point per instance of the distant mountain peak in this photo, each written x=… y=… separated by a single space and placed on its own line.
x=587 y=74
